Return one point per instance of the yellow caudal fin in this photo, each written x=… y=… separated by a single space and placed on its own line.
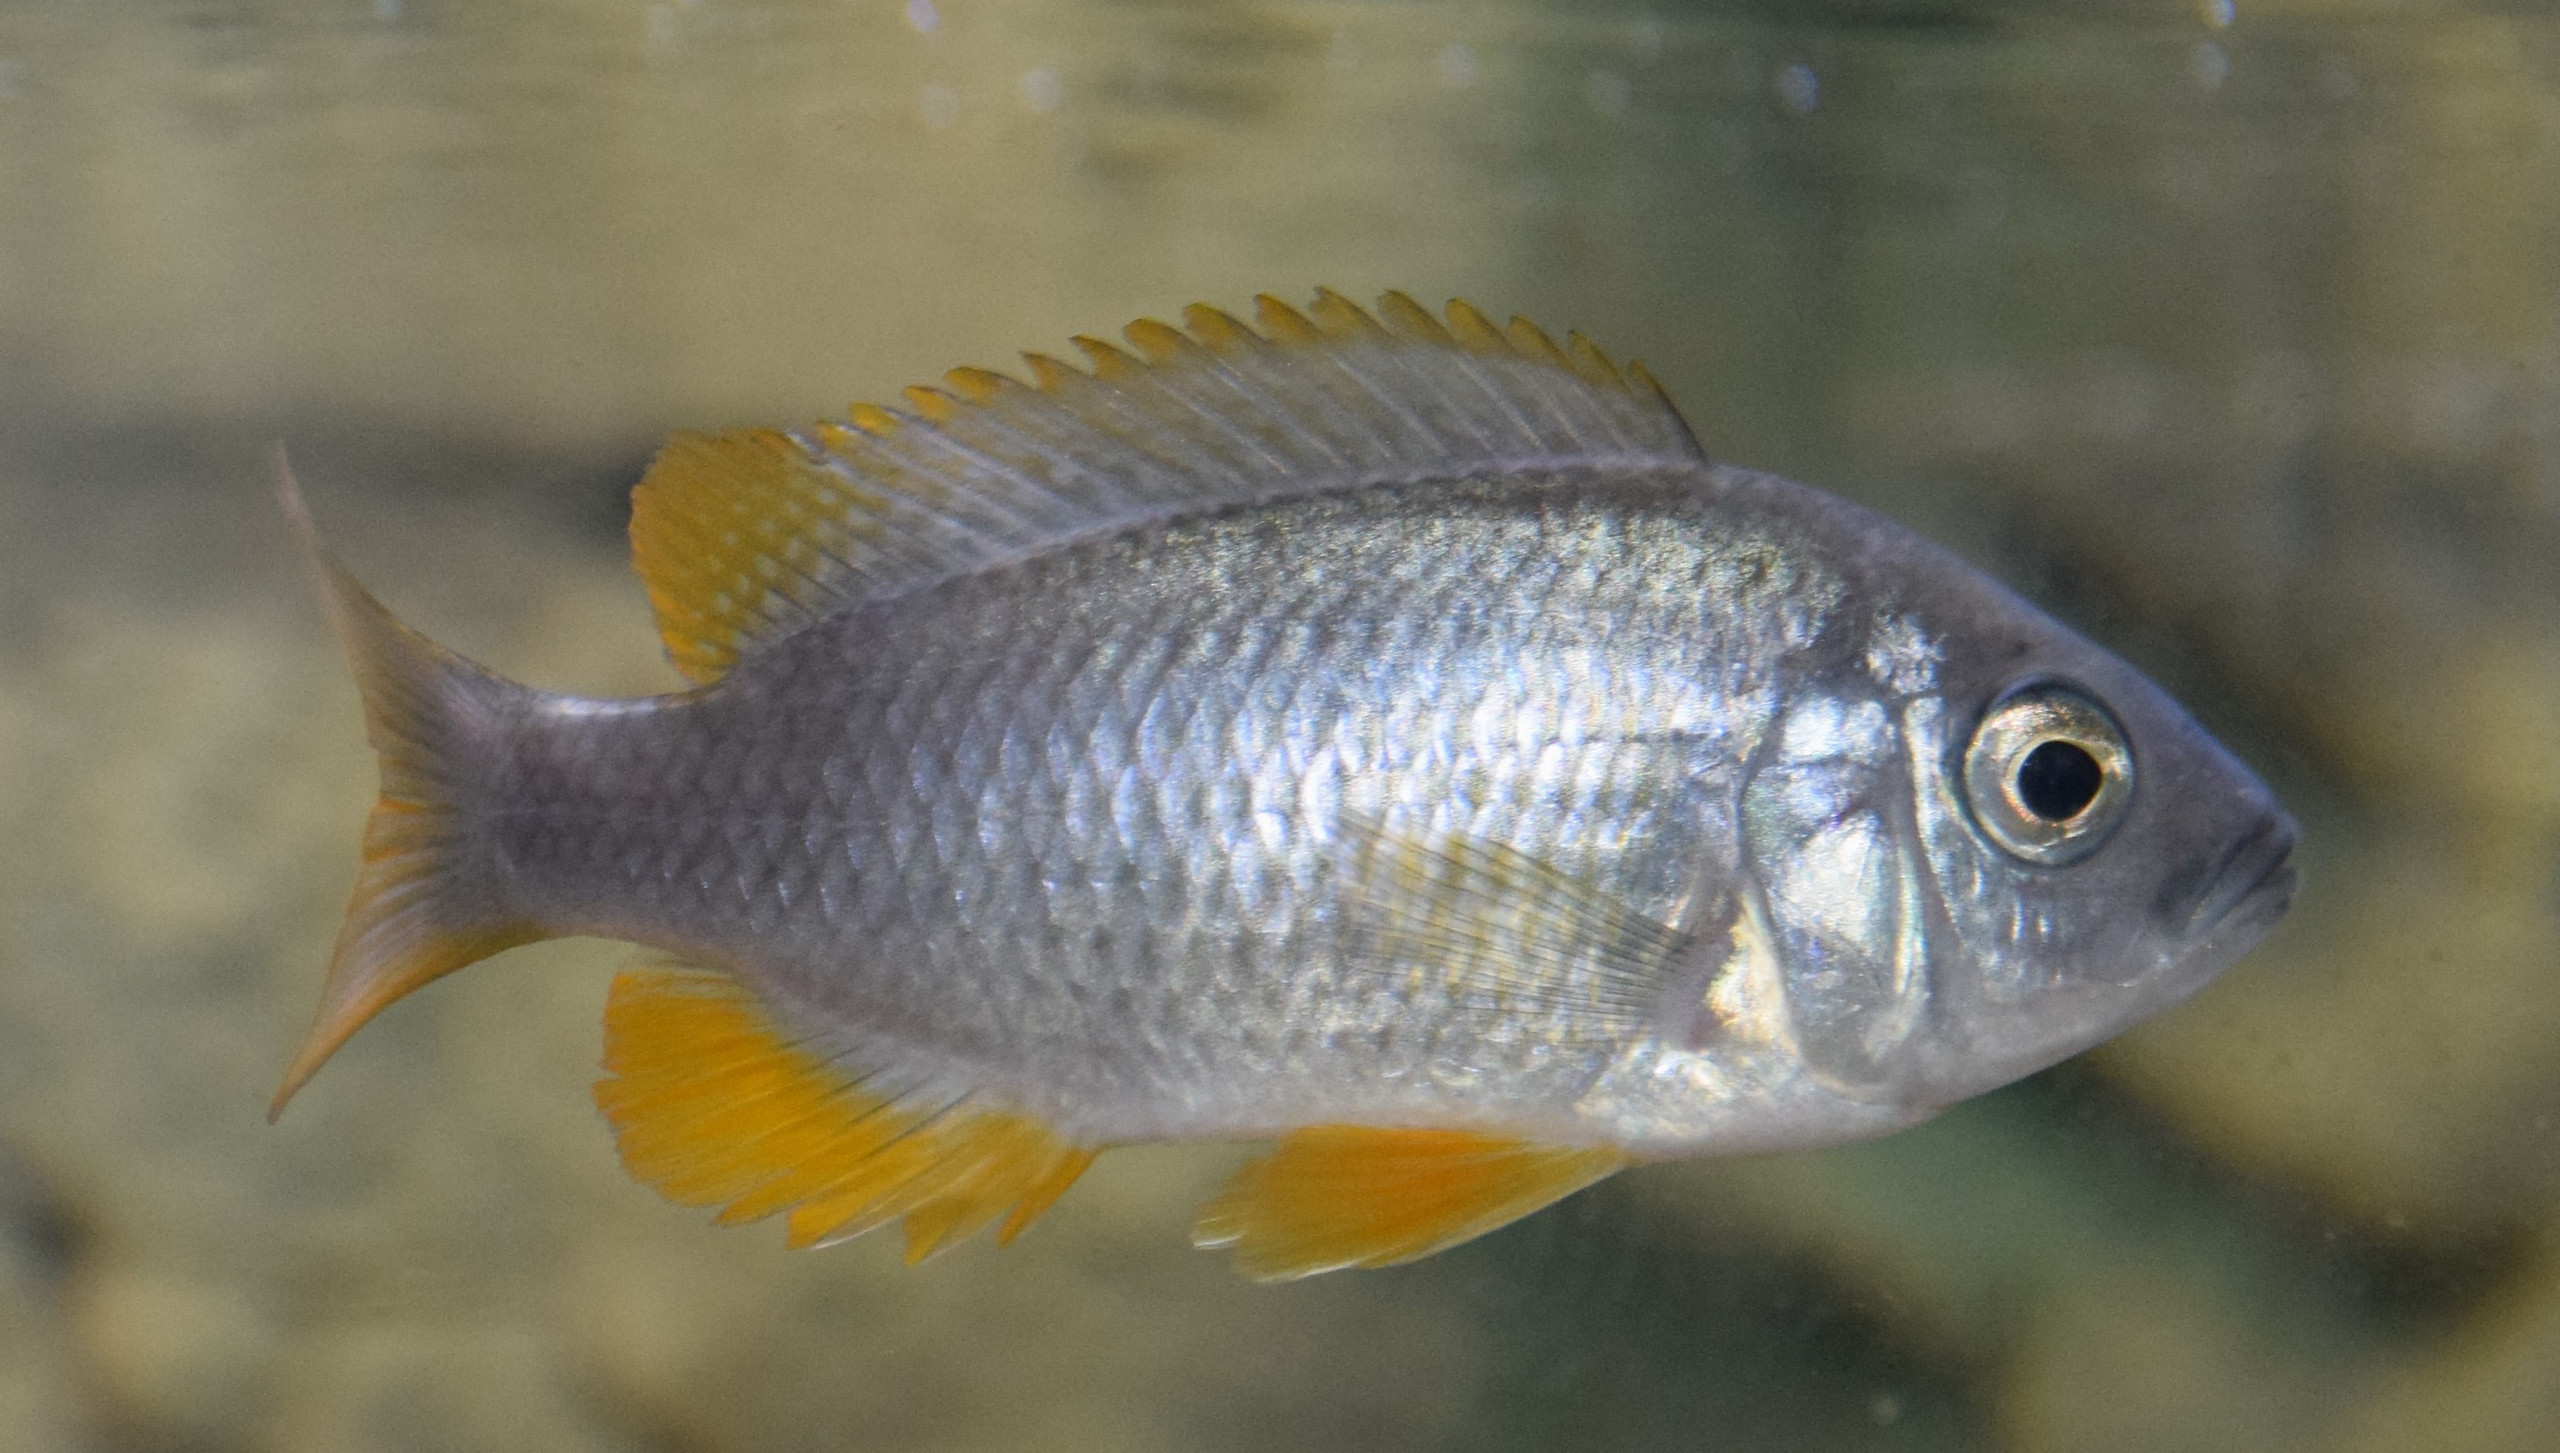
x=1335 y=1196
x=714 y=1106
x=427 y=900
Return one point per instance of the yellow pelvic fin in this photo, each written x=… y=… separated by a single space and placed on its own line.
x=1505 y=932
x=1334 y=1196
x=714 y=1106
x=427 y=900
x=743 y=536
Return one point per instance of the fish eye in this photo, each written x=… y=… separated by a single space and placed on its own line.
x=2048 y=774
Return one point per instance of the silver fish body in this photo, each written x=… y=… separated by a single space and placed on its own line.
x=1070 y=830
x=1617 y=802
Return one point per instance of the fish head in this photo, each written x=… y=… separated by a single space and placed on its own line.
x=1982 y=844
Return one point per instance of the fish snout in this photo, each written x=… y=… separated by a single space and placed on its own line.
x=2248 y=887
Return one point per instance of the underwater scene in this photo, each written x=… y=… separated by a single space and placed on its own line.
x=2225 y=331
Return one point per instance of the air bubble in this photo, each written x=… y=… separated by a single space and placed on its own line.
x=1608 y=93
x=1799 y=88
x=2210 y=65
x=939 y=104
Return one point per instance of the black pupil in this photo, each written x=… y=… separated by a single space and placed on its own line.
x=2058 y=781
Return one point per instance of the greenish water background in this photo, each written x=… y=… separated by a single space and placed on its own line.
x=2231 y=334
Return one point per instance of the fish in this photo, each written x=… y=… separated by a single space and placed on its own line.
x=1384 y=734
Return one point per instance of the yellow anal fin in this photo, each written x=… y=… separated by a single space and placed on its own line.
x=712 y=1105
x=1334 y=1196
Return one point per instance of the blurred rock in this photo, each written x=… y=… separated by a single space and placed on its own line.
x=2489 y=1389
x=1099 y=1330
x=432 y=1387
x=2128 y=1364
x=2106 y=1287
x=176 y=1356
x=39 y=1388
x=2395 y=1053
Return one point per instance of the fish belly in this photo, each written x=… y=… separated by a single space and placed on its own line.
x=1070 y=831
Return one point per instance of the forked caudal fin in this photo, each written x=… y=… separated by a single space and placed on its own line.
x=425 y=901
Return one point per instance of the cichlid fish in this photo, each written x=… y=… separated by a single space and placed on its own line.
x=1388 y=735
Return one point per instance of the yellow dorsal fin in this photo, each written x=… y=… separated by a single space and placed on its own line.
x=745 y=536
x=713 y=1106
x=1333 y=1196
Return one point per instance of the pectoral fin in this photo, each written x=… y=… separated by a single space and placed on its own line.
x=1504 y=931
x=1335 y=1196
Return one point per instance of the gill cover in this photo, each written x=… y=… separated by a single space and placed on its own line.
x=1847 y=891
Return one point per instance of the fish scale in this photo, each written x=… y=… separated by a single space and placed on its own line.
x=1390 y=734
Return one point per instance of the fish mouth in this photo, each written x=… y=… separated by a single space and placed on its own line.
x=2252 y=885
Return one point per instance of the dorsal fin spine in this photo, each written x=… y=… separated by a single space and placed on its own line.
x=1004 y=469
x=1159 y=343
x=1404 y=394
x=1410 y=320
x=1253 y=350
x=1471 y=365
x=1057 y=436
x=1474 y=331
x=978 y=385
x=1217 y=330
x=1218 y=421
x=1173 y=450
x=932 y=403
x=1591 y=363
x=1217 y=424
x=1343 y=318
x=1531 y=341
x=1047 y=372
x=901 y=451
x=1110 y=363
x=1285 y=324
x=1336 y=365
x=1485 y=389
x=1069 y=467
